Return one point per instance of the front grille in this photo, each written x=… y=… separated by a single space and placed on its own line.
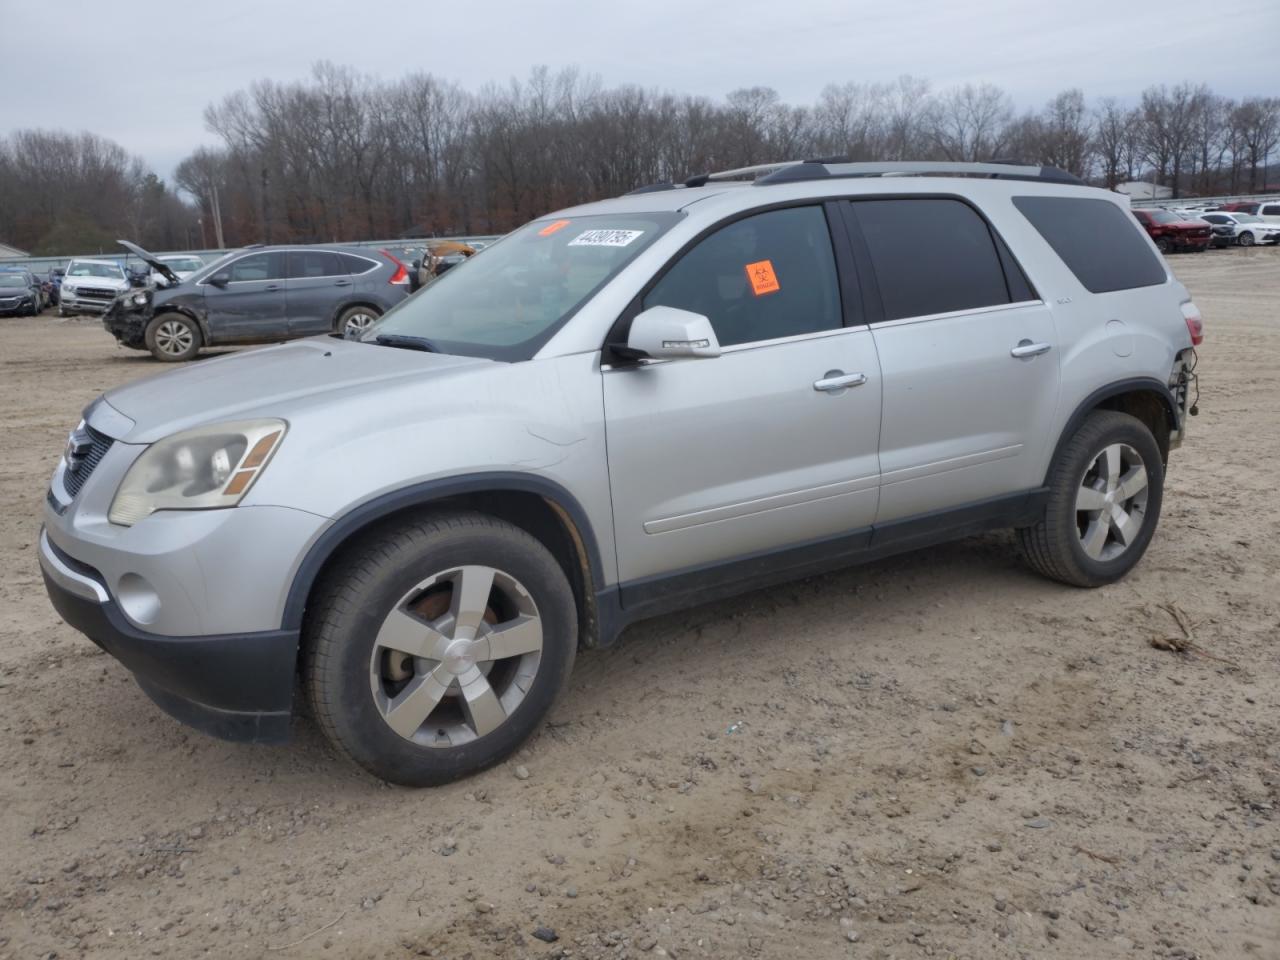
x=73 y=480
x=96 y=293
x=8 y=302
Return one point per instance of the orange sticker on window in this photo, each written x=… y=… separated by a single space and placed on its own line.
x=763 y=279
x=551 y=228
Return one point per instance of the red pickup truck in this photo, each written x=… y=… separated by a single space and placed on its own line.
x=1170 y=232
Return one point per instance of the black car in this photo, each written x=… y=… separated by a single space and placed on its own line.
x=20 y=294
x=257 y=295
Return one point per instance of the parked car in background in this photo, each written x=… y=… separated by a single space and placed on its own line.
x=20 y=293
x=1171 y=232
x=90 y=286
x=1240 y=206
x=1269 y=210
x=257 y=295
x=181 y=265
x=1246 y=229
x=437 y=257
x=55 y=283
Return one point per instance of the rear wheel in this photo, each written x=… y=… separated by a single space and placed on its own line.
x=172 y=337
x=356 y=320
x=434 y=649
x=1105 y=489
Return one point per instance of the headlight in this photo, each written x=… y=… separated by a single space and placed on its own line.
x=139 y=299
x=201 y=469
x=68 y=287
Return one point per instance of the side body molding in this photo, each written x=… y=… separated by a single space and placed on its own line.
x=424 y=494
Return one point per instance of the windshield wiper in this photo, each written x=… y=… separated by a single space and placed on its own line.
x=405 y=342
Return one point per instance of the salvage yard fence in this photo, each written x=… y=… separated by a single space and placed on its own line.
x=402 y=248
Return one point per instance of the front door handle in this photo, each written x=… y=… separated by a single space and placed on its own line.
x=1026 y=348
x=342 y=283
x=837 y=380
x=274 y=286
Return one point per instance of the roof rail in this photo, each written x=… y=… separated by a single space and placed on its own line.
x=999 y=170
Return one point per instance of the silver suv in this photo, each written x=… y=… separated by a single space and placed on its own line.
x=621 y=409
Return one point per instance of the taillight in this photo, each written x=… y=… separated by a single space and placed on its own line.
x=401 y=276
x=1195 y=326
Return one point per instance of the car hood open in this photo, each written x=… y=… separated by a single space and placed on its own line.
x=151 y=260
x=270 y=382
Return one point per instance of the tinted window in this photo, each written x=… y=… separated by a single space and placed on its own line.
x=1215 y=218
x=314 y=263
x=766 y=276
x=1095 y=240
x=931 y=256
x=355 y=265
x=1271 y=210
x=258 y=266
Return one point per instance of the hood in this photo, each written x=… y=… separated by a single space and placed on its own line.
x=151 y=260
x=274 y=382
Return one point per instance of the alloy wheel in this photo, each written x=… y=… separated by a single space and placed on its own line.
x=456 y=656
x=174 y=338
x=357 y=324
x=1111 y=502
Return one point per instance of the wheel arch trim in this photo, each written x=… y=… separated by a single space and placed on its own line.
x=1114 y=389
x=424 y=494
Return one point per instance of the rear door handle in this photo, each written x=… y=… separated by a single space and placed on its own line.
x=837 y=380
x=1026 y=348
x=274 y=286
x=342 y=283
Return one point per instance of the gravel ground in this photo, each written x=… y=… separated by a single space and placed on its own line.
x=939 y=755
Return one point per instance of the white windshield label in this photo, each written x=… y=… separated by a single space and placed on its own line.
x=605 y=238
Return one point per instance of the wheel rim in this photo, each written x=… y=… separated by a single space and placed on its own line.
x=1111 y=503
x=357 y=324
x=456 y=656
x=174 y=338
x=1246 y=239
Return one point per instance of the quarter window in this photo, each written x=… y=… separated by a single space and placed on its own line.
x=355 y=265
x=763 y=277
x=1095 y=240
x=934 y=255
x=258 y=266
x=314 y=263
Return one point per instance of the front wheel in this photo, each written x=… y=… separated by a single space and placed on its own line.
x=435 y=648
x=1245 y=239
x=1164 y=246
x=1105 y=489
x=172 y=337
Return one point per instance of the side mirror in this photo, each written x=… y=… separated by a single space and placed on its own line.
x=669 y=333
x=220 y=279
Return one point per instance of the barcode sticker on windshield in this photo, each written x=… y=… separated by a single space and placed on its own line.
x=605 y=238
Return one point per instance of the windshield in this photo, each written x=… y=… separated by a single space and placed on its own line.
x=12 y=280
x=1247 y=218
x=505 y=303
x=88 y=268
x=1164 y=216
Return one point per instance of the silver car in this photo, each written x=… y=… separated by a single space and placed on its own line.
x=620 y=409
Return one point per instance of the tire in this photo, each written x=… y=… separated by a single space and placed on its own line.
x=1245 y=239
x=1164 y=246
x=353 y=321
x=173 y=337
x=1087 y=547
x=357 y=683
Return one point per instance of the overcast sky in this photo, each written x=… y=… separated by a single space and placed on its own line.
x=142 y=72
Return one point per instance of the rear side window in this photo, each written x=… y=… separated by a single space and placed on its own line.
x=1095 y=240
x=1271 y=210
x=934 y=255
x=314 y=263
x=355 y=265
x=763 y=277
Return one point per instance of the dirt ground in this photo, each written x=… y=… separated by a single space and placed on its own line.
x=940 y=755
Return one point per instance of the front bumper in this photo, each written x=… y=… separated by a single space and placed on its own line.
x=83 y=304
x=233 y=686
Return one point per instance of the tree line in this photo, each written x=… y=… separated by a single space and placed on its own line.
x=342 y=156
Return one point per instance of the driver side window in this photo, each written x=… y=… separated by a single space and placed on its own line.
x=763 y=277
